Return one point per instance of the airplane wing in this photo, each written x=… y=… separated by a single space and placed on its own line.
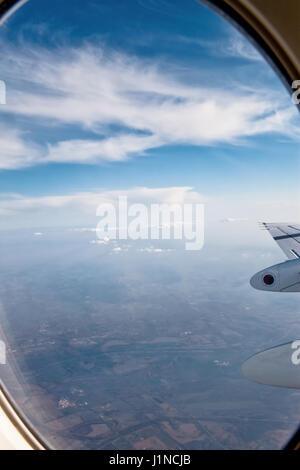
x=287 y=237
x=278 y=366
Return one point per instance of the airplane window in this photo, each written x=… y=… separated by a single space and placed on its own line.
x=141 y=144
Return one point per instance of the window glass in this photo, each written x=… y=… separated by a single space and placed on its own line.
x=141 y=144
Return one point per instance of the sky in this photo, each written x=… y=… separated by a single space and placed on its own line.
x=161 y=101
x=157 y=100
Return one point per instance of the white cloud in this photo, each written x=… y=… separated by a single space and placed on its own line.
x=94 y=151
x=151 y=249
x=95 y=88
x=100 y=242
x=16 y=204
x=234 y=219
x=79 y=209
x=238 y=46
x=16 y=150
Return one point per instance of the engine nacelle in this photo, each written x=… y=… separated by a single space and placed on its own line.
x=283 y=277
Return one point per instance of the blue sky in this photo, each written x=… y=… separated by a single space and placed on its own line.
x=135 y=94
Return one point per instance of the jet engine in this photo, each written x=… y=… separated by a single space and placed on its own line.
x=283 y=277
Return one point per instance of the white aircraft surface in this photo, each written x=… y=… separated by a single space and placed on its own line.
x=279 y=366
x=282 y=277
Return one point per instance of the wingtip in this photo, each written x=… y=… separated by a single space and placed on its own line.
x=263 y=226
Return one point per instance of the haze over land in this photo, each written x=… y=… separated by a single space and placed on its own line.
x=142 y=347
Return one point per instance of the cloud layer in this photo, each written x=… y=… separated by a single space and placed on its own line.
x=124 y=104
x=16 y=204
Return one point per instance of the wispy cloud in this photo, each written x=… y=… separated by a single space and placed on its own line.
x=235 y=45
x=88 y=202
x=94 y=151
x=152 y=249
x=95 y=89
x=240 y=47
